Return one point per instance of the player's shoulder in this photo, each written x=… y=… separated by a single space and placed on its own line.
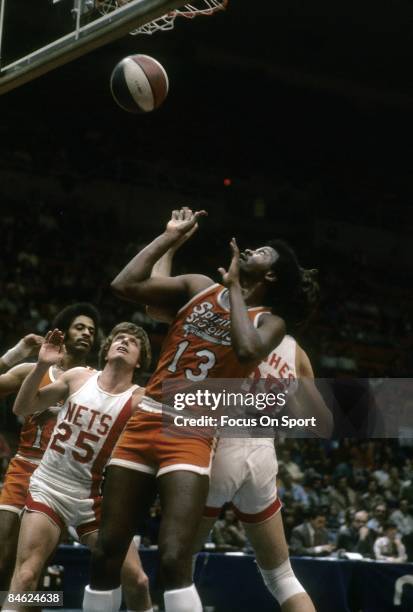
x=137 y=396
x=197 y=283
x=79 y=372
x=197 y=287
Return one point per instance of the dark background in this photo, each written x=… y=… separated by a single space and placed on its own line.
x=306 y=108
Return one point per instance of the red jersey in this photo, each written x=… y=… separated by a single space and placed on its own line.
x=37 y=429
x=198 y=344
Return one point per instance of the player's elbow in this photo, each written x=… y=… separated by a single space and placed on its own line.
x=18 y=409
x=122 y=288
x=246 y=354
x=245 y=358
x=118 y=286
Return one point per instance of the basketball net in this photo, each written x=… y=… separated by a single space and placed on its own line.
x=166 y=22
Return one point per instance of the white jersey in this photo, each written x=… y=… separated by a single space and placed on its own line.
x=276 y=373
x=280 y=363
x=244 y=470
x=87 y=428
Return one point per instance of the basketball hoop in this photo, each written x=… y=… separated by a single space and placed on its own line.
x=167 y=21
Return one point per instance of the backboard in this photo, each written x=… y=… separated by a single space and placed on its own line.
x=36 y=37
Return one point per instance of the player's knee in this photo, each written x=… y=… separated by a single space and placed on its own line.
x=142 y=582
x=136 y=586
x=109 y=545
x=282 y=582
x=27 y=577
x=106 y=563
x=136 y=582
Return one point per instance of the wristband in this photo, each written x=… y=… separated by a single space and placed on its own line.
x=16 y=353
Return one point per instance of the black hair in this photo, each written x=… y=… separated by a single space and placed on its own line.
x=315 y=512
x=64 y=319
x=389 y=525
x=295 y=294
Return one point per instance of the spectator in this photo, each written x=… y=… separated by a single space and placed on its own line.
x=372 y=497
x=389 y=547
x=407 y=492
x=342 y=496
x=357 y=537
x=228 y=533
x=393 y=487
x=291 y=492
x=376 y=523
x=382 y=474
x=288 y=464
x=311 y=537
x=402 y=518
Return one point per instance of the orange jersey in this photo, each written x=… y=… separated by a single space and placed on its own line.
x=198 y=344
x=37 y=429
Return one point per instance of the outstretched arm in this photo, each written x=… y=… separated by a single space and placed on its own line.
x=250 y=344
x=135 y=282
x=30 y=398
x=26 y=347
x=11 y=381
x=163 y=268
x=308 y=402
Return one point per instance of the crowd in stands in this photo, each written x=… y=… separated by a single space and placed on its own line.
x=50 y=250
x=340 y=498
x=343 y=496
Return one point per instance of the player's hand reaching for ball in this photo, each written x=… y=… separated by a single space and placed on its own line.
x=52 y=348
x=183 y=224
x=232 y=276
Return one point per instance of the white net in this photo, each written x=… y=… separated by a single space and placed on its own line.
x=166 y=22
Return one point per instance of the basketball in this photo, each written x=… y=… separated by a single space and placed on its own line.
x=139 y=84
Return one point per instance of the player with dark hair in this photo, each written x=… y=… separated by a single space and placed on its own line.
x=65 y=488
x=219 y=331
x=80 y=323
x=244 y=470
x=72 y=316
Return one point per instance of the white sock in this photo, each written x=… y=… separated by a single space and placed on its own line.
x=101 y=601
x=281 y=582
x=182 y=600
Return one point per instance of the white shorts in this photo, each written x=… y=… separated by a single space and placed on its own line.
x=244 y=472
x=64 y=509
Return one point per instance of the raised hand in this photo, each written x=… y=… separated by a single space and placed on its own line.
x=232 y=276
x=32 y=344
x=184 y=223
x=52 y=348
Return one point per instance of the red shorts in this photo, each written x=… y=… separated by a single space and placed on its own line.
x=16 y=484
x=253 y=518
x=147 y=446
